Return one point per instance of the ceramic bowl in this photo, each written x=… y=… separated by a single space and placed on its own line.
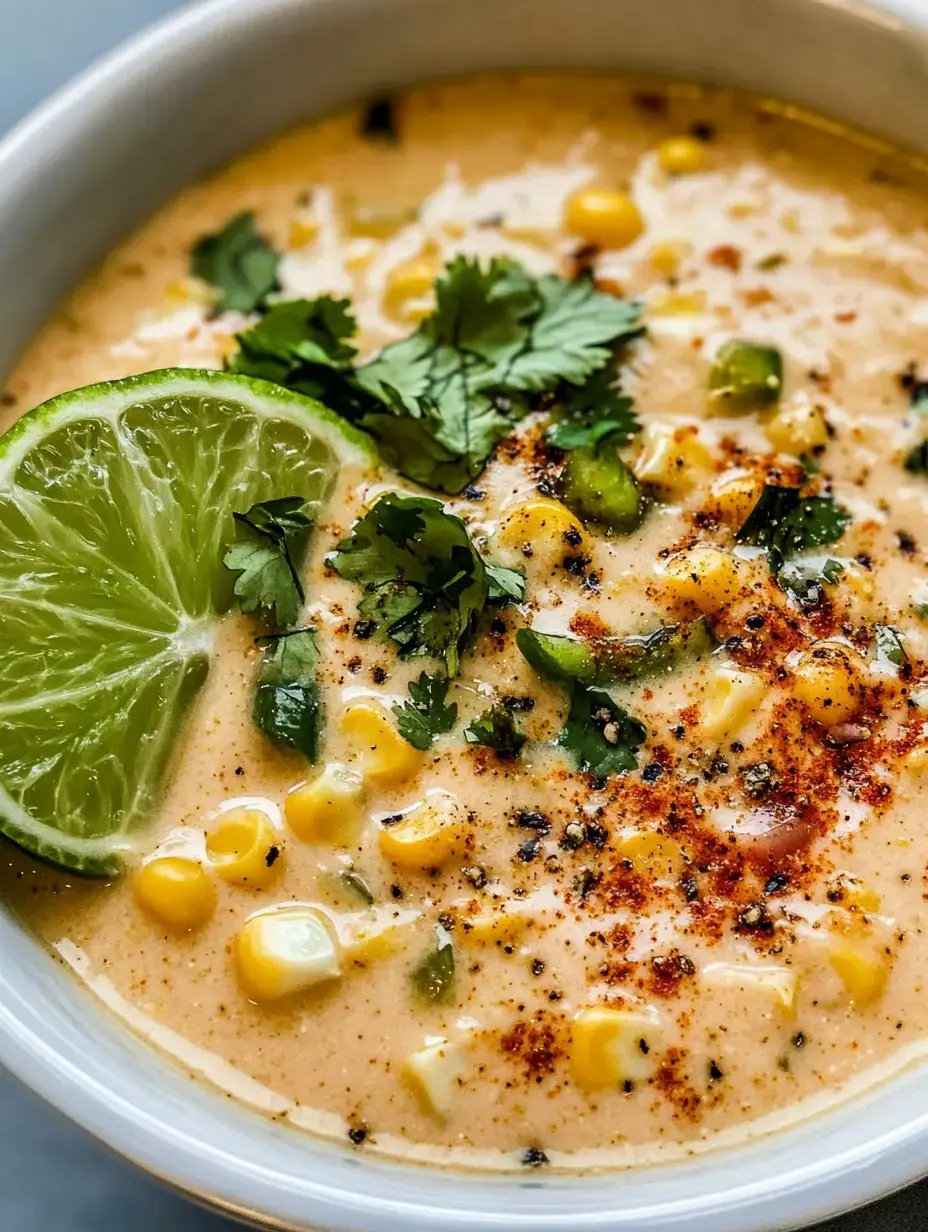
x=179 y=101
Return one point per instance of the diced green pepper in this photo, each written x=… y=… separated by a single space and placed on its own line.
x=605 y=661
x=433 y=975
x=746 y=375
x=598 y=487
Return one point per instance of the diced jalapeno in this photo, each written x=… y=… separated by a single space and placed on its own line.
x=598 y=487
x=357 y=885
x=745 y=375
x=433 y=976
x=611 y=660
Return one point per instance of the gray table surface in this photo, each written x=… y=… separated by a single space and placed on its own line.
x=53 y=1177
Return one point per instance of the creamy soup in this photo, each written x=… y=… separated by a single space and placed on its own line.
x=583 y=902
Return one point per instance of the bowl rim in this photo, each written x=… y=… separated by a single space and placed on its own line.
x=812 y=1192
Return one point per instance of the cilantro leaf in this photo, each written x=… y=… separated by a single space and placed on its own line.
x=496 y=730
x=288 y=703
x=599 y=735
x=803 y=580
x=593 y=412
x=425 y=717
x=424 y=581
x=889 y=645
x=266 y=559
x=239 y=263
x=786 y=523
x=504 y=585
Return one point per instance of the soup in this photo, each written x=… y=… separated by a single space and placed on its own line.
x=548 y=793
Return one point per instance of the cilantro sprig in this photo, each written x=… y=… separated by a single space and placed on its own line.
x=288 y=703
x=425 y=583
x=599 y=735
x=785 y=524
x=593 y=413
x=267 y=557
x=440 y=401
x=496 y=730
x=239 y=264
x=425 y=716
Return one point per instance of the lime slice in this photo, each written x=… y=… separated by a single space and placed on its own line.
x=116 y=507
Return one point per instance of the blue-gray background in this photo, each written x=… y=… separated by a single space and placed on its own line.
x=53 y=1178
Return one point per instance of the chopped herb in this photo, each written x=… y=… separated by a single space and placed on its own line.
x=426 y=717
x=803 y=580
x=605 y=661
x=889 y=646
x=288 y=704
x=379 y=122
x=771 y=262
x=504 y=585
x=433 y=976
x=424 y=581
x=786 y=523
x=599 y=735
x=593 y=412
x=239 y=263
x=496 y=729
x=267 y=559
x=746 y=375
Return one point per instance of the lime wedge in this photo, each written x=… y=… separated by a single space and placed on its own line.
x=116 y=507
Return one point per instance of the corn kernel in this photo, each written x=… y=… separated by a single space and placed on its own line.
x=609 y=1047
x=327 y=809
x=826 y=681
x=286 y=951
x=779 y=984
x=370 y=936
x=434 y=1075
x=682 y=156
x=668 y=255
x=604 y=217
x=678 y=303
x=653 y=855
x=384 y=757
x=177 y=891
x=916 y=762
x=734 y=494
x=734 y=697
x=375 y=222
x=797 y=429
x=671 y=459
x=244 y=847
x=704 y=576
x=303 y=231
x=540 y=524
x=427 y=836
x=863 y=975
x=408 y=292
x=853 y=892
x=506 y=927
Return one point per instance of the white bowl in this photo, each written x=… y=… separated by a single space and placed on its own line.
x=84 y=170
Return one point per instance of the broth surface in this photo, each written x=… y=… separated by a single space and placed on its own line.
x=772 y=938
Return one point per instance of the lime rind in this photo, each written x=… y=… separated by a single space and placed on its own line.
x=116 y=506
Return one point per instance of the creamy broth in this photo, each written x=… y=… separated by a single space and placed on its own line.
x=769 y=937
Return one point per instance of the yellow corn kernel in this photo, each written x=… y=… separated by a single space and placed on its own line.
x=604 y=217
x=327 y=809
x=668 y=255
x=672 y=459
x=369 y=936
x=853 y=892
x=734 y=494
x=190 y=291
x=408 y=292
x=652 y=855
x=916 y=762
x=504 y=927
x=286 y=951
x=426 y=837
x=682 y=156
x=797 y=429
x=303 y=231
x=734 y=697
x=376 y=222
x=826 y=680
x=244 y=847
x=434 y=1075
x=678 y=303
x=383 y=756
x=177 y=891
x=540 y=524
x=704 y=576
x=779 y=984
x=609 y=1047
x=863 y=975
